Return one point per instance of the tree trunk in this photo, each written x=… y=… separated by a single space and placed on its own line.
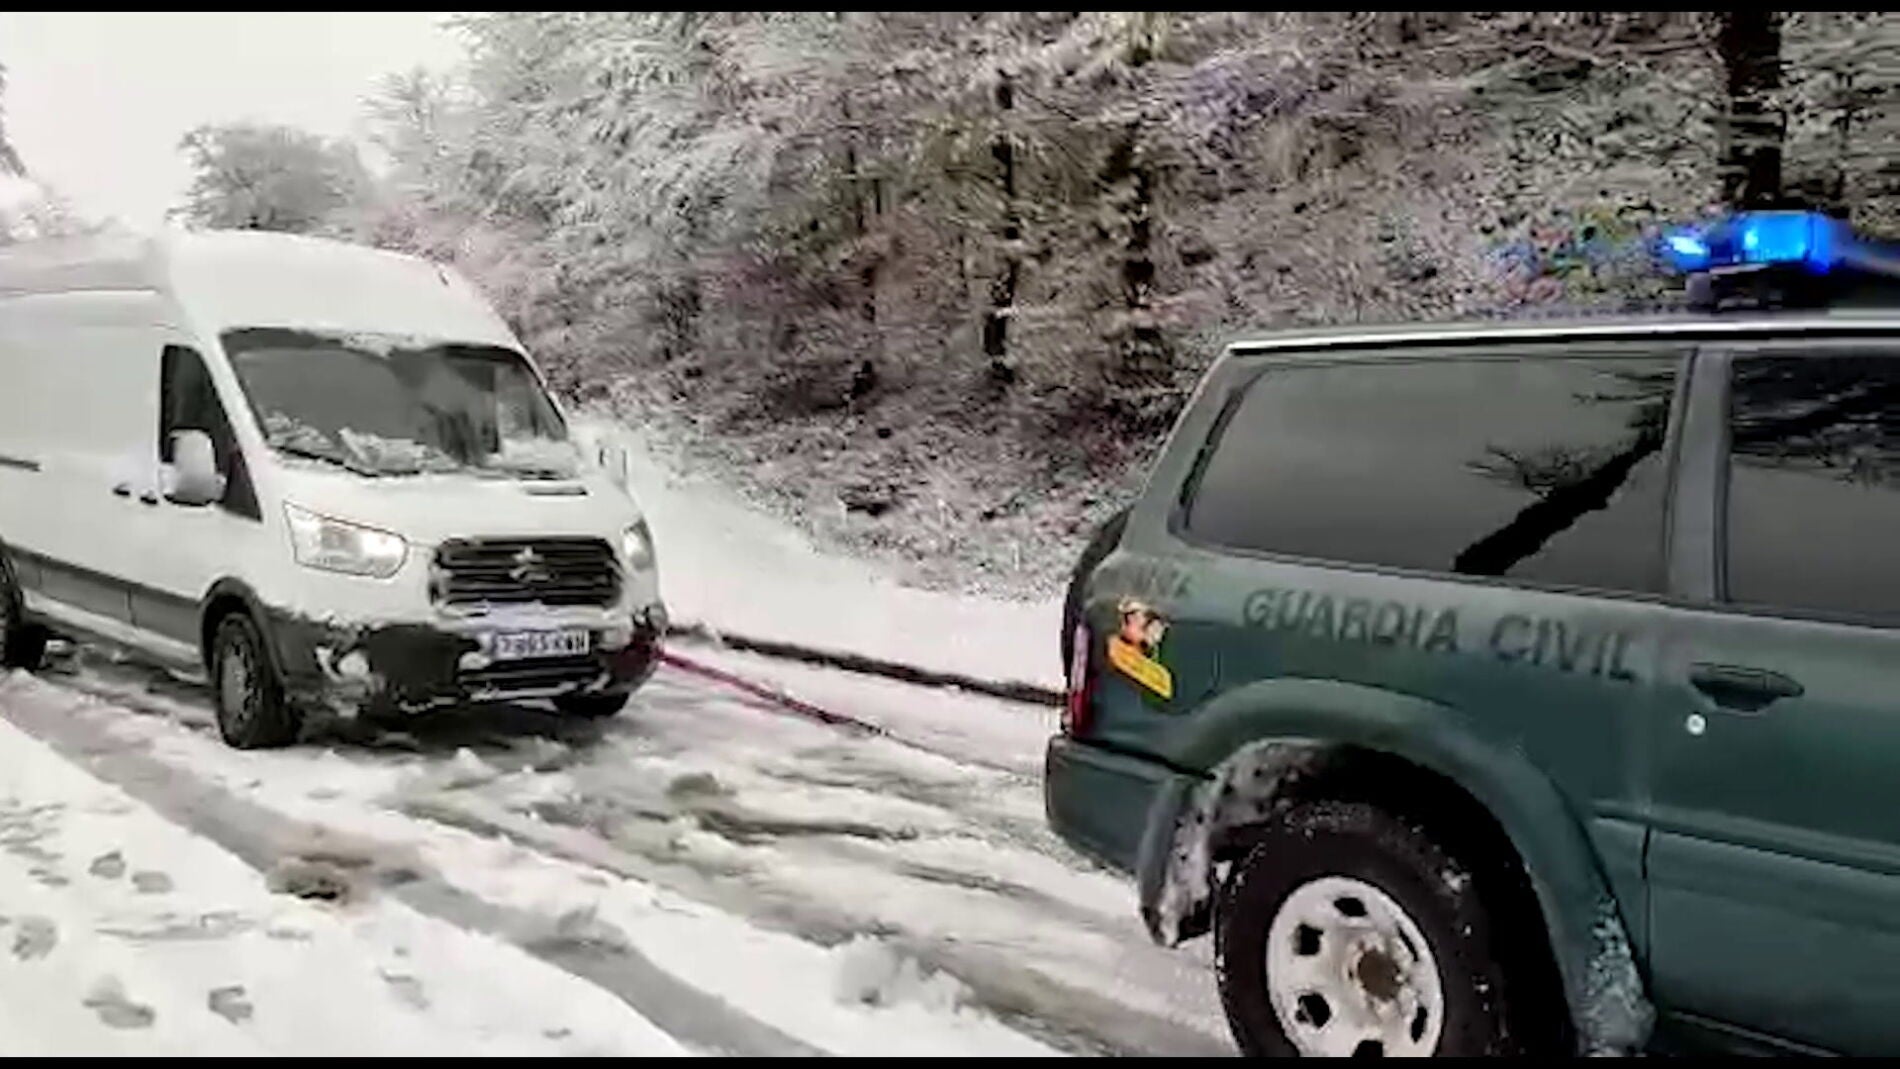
x=860 y=228
x=1754 y=127
x=1004 y=286
x=1143 y=357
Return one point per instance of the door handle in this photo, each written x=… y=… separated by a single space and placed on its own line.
x=1742 y=689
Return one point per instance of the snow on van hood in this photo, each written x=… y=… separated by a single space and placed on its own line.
x=432 y=508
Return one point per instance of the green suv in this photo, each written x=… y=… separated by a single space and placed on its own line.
x=1514 y=688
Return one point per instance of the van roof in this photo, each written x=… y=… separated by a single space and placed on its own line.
x=1343 y=340
x=240 y=278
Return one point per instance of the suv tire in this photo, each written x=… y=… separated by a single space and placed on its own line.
x=1320 y=925
x=253 y=712
x=22 y=645
x=592 y=706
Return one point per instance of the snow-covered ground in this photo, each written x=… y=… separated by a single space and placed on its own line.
x=122 y=933
x=725 y=876
x=734 y=570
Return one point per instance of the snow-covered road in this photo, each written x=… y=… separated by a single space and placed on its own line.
x=704 y=873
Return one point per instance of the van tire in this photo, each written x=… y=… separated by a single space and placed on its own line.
x=22 y=644
x=592 y=706
x=1437 y=895
x=253 y=712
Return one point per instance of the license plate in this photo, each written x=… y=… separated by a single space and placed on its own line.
x=525 y=645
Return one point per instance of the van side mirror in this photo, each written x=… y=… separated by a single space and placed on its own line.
x=194 y=470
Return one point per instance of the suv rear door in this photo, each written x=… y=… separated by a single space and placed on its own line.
x=1775 y=864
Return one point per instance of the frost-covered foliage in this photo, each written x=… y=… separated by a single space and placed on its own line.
x=254 y=177
x=937 y=282
x=28 y=209
x=9 y=159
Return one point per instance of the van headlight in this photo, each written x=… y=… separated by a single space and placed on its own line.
x=336 y=546
x=636 y=547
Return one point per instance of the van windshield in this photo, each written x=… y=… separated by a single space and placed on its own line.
x=381 y=404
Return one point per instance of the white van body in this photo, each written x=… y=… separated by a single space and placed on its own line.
x=459 y=548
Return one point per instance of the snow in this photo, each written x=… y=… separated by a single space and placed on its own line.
x=121 y=933
x=283 y=429
x=970 y=728
x=1242 y=789
x=536 y=455
x=736 y=571
x=1616 y=1015
x=474 y=814
x=396 y=455
x=872 y=972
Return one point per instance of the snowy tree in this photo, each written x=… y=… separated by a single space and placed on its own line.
x=252 y=177
x=9 y=159
x=879 y=251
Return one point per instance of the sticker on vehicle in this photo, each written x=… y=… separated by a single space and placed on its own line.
x=1134 y=648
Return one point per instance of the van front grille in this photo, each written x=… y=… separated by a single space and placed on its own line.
x=507 y=571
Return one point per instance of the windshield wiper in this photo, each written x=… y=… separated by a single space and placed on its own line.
x=331 y=458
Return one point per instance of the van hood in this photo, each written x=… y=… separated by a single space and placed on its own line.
x=431 y=509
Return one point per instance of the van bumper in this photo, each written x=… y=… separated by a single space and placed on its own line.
x=413 y=667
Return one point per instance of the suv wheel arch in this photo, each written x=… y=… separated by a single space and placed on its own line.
x=1497 y=803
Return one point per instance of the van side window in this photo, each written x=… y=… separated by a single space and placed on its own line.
x=189 y=402
x=1814 y=483
x=1547 y=469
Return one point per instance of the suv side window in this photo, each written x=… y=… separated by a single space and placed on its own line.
x=1548 y=469
x=189 y=402
x=1814 y=483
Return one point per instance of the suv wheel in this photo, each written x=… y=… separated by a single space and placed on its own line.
x=1348 y=932
x=22 y=645
x=252 y=710
x=592 y=706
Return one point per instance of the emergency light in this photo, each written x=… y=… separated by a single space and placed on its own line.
x=1779 y=258
x=1808 y=239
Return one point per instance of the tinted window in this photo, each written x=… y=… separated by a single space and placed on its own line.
x=1549 y=470
x=1814 y=483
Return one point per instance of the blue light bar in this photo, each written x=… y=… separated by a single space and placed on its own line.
x=1810 y=240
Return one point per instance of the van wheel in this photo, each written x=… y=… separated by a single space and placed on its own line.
x=22 y=645
x=1348 y=932
x=252 y=710
x=592 y=706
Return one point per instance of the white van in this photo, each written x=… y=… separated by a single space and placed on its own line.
x=322 y=472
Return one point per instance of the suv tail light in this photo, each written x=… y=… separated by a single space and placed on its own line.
x=1075 y=713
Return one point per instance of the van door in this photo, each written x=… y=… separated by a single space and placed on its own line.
x=79 y=540
x=1775 y=862
x=190 y=547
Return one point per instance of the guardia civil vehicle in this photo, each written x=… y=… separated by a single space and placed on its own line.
x=1522 y=687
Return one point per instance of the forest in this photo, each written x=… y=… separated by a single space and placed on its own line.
x=936 y=284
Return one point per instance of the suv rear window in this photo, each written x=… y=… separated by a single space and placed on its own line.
x=1549 y=470
x=1814 y=483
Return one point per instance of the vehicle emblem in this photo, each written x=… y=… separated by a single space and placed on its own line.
x=530 y=567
